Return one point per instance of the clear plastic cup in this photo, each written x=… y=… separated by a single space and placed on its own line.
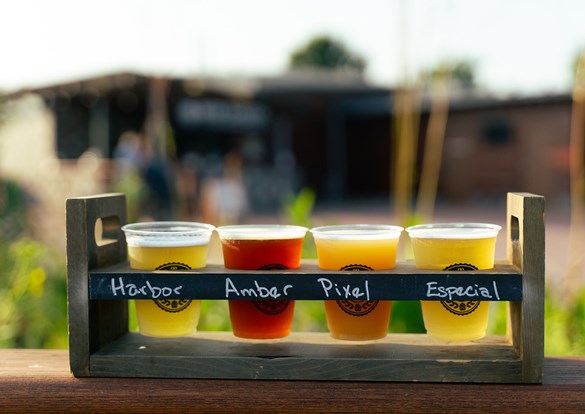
x=261 y=247
x=357 y=247
x=454 y=246
x=167 y=245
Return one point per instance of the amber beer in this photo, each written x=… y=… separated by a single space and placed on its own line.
x=167 y=246
x=359 y=247
x=455 y=247
x=261 y=247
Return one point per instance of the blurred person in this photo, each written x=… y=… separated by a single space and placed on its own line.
x=157 y=175
x=143 y=177
x=129 y=155
x=224 y=199
x=188 y=188
x=129 y=152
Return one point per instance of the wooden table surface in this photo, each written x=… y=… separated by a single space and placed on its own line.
x=39 y=381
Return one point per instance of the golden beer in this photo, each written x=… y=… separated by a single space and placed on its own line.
x=357 y=248
x=167 y=246
x=455 y=246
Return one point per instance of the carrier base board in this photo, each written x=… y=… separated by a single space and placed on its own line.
x=100 y=344
x=309 y=356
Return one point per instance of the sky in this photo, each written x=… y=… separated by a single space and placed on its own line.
x=517 y=46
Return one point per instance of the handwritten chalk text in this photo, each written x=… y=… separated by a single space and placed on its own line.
x=472 y=291
x=148 y=290
x=256 y=291
x=347 y=291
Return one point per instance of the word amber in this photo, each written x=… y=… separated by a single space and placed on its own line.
x=257 y=291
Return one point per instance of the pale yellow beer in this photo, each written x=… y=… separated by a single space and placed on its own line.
x=167 y=246
x=357 y=248
x=454 y=246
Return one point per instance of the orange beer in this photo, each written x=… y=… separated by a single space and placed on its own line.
x=167 y=246
x=261 y=247
x=455 y=246
x=356 y=248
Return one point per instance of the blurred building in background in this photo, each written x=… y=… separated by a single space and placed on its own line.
x=232 y=146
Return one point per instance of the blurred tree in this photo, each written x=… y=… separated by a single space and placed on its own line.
x=460 y=71
x=323 y=52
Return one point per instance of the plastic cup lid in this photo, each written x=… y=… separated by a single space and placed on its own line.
x=261 y=232
x=357 y=232
x=454 y=231
x=167 y=233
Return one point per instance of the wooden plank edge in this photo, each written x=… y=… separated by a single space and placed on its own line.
x=312 y=369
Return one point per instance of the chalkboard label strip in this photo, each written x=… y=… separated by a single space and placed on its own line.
x=301 y=284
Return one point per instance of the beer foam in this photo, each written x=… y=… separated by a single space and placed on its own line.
x=454 y=231
x=167 y=234
x=261 y=232
x=357 y=232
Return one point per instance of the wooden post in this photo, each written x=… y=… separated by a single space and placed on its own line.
x=525 y=235
x=94 y=240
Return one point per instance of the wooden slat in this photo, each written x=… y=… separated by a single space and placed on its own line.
x=40 y=381
x=309 y=356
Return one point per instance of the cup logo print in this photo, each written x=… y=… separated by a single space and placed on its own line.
x=173 y=305
x=460 y=308
x=357 y=307
x=271 y=307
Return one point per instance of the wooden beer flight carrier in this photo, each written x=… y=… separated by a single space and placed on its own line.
x=100 y=283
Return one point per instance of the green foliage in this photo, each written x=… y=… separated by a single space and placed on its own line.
x=324 y=52
x=564 y=326
x=309 y=316
x=498 y=318
x=298 y=210
x=33 y=289
x=132 y=185
x=460 y=70
x=406 y=317
x=215 y=316
x=13 y=210
x=33 y=293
